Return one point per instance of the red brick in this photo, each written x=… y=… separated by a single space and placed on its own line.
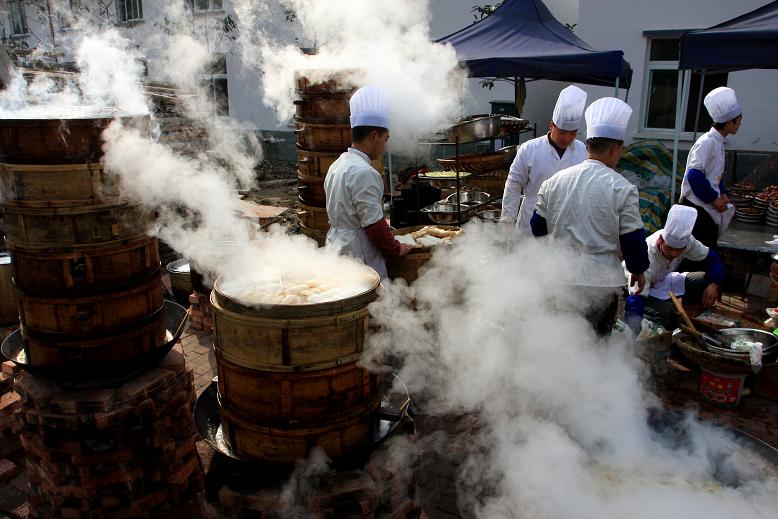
x=10 y=368
x=8 y=470
x=10 y=402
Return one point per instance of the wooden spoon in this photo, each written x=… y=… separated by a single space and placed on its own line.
x=679 y=307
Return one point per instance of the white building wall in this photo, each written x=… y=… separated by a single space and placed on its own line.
x=607 y=24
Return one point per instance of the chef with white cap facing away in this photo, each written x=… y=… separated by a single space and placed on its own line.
x=538 y=159
x=703 y=187
x=354 y=190
x=595 y=210
x=667 y=248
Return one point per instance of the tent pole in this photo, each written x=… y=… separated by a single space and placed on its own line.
x=678 y=98
x=699 y=102
x=616 y=92
x=626 y=95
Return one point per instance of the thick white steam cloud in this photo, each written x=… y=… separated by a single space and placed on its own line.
x=563 y=415
x=381 y=42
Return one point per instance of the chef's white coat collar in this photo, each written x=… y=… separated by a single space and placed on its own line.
x=361 y=154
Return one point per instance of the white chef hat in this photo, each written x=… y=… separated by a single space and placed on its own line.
x=369 y=107
x=722 y=104
x=569 y=108
x=607 y=117
x=679 y=225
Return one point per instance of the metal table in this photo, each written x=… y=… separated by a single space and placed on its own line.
x=749 y=238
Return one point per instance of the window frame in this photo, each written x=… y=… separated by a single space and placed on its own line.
x=649 y=67
x=192 y=5
x=123 y=4
x=22 y=11
x=210 y=80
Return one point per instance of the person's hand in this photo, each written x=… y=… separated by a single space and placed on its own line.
x=725 y=198
x=710 y=295
x=405 y=248
x=640 y=279
x=719 y=204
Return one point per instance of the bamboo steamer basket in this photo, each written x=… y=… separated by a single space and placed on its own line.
x=102 y=312
x=282 y=397
x=50 y=228
x=315 y=164
x=311 y=191
x=286 y=445
x=490 y=182
x=291 y=338
x=315 y=83
x=324 y=108
x=322 y=137
x=410 y=266
x=288 y=379
x=96 y=350
x=313 y=217
x=59 y=141
x=85 y=268
x=60 y=185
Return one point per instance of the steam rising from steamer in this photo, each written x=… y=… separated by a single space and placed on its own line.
x=561 y=427
x=382 y=42
x=562 y=416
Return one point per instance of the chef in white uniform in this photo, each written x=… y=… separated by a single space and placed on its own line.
x=703 y=188
x=595 y=210
x=538 y=159
x=667 y=248
x=354 y=189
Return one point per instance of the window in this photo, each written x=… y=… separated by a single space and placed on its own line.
x=205 y=5
x=129 y=10
x=661 y=88
x=215 y=86
x=17 y=17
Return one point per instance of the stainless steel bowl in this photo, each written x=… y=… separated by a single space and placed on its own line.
x=475 y=128
x=469 y=197
x=449 y=182
x=768 y=340
x=446 y=213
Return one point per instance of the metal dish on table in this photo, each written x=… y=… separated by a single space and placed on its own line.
x=475 y=128
x=448 y=181
x=446 y=213
x=469 y=197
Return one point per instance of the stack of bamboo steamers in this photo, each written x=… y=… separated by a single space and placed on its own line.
x=86 y=275
x=323 y=132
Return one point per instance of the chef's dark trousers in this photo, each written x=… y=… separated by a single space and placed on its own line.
x=602 y=305
x=662 y=311
x=705 y=231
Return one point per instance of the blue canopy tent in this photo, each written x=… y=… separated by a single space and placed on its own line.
x=749 y=41
x=521 y=39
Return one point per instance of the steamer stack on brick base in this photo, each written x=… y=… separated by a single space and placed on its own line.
x=105 y=411
x=124 y=451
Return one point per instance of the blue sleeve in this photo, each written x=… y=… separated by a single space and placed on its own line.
x=538 y=225
x=635 y=251
x=722 y=188
x=700 y=186
x=634 y=306
x=714 y=268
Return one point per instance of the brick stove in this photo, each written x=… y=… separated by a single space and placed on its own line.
x=124 y=451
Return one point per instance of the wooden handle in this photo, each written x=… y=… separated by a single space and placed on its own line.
x=679 y=307
x=690 y=331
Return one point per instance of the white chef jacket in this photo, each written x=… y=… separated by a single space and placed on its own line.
x=707 y=155
x=354 y=191
x=661 y=275
x=590 y=206
x=536 y=161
